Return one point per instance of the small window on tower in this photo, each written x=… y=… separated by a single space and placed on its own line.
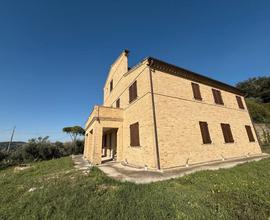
x=118 y=103
x=111 y=85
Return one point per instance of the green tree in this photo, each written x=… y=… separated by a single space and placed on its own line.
x=257 y=88
x=74 y=132
x=259 y=112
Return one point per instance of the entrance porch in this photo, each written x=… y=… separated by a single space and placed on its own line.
x=103 y=138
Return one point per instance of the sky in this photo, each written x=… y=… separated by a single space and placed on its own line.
x=55 y=55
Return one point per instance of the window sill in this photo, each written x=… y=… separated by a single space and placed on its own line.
x=229 y=143
x=219 y=104
x=135 y=146
x=208 y=143
x=130 y=102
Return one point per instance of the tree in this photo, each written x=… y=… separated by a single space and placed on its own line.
x=257 y=88
x=74 y=132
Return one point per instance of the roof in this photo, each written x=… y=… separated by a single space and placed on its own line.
x=188 y=74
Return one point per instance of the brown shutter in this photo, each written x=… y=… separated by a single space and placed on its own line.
x=111 y=85
x=130 y=94
x=205 y=132
x=133 y=92
x=134 y=134
x=196 y=91
x=224 y=131
x=227 y=133
x=240 y=102
x=217 y=97
x=118 y=103
x=220 y=98
x=249 y=133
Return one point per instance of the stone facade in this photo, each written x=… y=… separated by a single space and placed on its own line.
x=168 y=118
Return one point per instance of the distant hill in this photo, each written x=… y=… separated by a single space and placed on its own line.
x=14 y=145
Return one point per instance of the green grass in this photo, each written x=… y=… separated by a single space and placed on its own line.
x=242 y=192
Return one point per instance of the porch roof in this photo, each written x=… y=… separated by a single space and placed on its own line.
x=104 y=113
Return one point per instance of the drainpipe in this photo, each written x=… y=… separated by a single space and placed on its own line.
x=154 y=115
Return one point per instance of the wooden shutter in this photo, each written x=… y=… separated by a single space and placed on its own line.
x=249 y=133
x=196 y=91
x=111 y=85
x=134 y=134
x=227 y=133
x=220 y=97
x=118 y=103
x=205 y=132
x=240 y=102
x=133 y=92
x=217 y=97
x=134 y=88
x=130 y=94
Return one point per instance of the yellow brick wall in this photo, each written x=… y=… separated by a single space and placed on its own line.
x=178 y=116
x=116 y=72
x=140 y=110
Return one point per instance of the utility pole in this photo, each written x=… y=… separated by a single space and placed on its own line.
x=11 y=138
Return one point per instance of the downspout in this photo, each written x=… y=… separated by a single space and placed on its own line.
x=150 y=62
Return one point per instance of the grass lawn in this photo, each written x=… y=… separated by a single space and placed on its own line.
x=61 y=192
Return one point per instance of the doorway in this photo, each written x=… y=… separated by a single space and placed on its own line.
x=109 y=144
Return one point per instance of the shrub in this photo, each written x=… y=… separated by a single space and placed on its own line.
x=3 y=155
x=38 y=149
x=258 y=111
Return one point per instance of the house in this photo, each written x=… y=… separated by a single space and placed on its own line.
x=160 y=116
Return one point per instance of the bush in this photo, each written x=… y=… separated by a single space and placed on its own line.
x=3 y=155
x=38 y=149
x=260 y=113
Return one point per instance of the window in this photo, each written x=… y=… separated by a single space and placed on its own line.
x=118 y=103
x=134 y=134
x=227 y=133
x=111 y=85
x=133 y=92
x=205 y=132
x=250 y=134
x=196 y=91
x=240 y=102
x=217 y=97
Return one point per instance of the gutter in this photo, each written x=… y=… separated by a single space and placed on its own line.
x=150 y=62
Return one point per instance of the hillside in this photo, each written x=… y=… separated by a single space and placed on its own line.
x=54 y=190
x=13 y=146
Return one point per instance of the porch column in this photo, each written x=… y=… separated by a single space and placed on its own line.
x=97 y=148
x=119 y=144
x=85 y=145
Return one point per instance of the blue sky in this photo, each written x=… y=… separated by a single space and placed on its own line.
x=55 y=55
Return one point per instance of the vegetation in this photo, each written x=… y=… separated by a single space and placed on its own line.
x=54 y=190
x=257 y=92
x=14 y=145
x=38 y=149
x=257 y=88
x=74 y=132
x=259 y=112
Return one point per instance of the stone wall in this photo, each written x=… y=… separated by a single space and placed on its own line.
x=263 y=132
